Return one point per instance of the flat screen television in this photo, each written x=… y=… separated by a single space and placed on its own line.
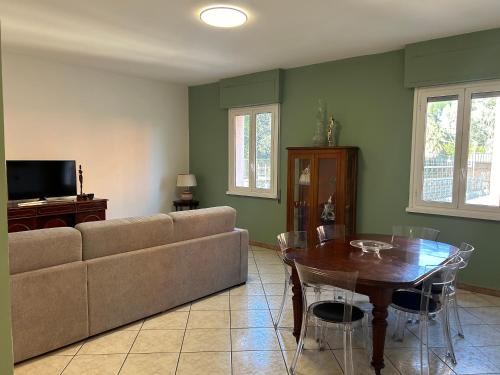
x=40 y=179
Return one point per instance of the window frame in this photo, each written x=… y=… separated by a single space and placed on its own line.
x=458 y=206
x=252 y=190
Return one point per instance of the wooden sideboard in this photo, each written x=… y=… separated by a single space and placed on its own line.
x=56 y=213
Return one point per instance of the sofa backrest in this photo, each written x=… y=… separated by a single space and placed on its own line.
x=108 y=237
x=42 y=248
x=204 y=222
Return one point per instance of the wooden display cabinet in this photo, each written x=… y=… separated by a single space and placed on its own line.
x=314 y=175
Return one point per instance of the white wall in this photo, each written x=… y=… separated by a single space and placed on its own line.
x=130 y=134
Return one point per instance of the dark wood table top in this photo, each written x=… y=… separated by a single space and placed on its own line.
x=402 y=266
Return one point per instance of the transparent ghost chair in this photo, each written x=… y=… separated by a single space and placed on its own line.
x=414 y=232
x=330 y=232
x=465 y=252
x=426 y=301
x=344 y=315
x=286 y=241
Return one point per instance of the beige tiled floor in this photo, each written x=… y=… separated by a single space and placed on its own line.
x=232 y=333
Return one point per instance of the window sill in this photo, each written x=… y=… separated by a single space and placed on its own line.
x=253 y=194
x=483 y=215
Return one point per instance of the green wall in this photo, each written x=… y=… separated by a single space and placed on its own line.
x=367 y=95
x=6 y=359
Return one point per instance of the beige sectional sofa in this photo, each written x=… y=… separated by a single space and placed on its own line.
x=68 y=284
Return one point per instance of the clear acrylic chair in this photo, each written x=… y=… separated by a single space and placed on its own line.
x=343 y=314
x=426 y=301
x=414 y=232
x=330 y=232
x=289 y=240
x=465 y=252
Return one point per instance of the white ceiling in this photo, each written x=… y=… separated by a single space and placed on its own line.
x=164 y=39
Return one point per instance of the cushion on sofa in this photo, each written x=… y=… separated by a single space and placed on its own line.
x=108 y=237
x=204 y=222
x=37 y=249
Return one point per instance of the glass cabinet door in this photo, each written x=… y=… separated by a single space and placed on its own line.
x=302 y=193
x=327 y=200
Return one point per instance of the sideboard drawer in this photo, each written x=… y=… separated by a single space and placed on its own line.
x=56 y=209
x=22 y=212
x=91 y=206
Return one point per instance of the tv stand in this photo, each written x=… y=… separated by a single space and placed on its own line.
x=54 y=213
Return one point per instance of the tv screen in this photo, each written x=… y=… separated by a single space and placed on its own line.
x=28 y=179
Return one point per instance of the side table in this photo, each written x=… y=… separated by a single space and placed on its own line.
x=180 y=204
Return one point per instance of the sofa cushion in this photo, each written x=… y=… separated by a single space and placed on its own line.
x=37 y=249
x=204 y=222
x=108 y=237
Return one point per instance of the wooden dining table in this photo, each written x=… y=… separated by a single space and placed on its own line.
x=404 y=265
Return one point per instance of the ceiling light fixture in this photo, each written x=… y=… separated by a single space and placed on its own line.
x=223 y=16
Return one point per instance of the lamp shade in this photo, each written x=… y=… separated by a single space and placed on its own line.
x=186 y=180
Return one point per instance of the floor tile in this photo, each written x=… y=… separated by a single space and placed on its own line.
x=95 y=364
x=489 y=315
x=70 y=350
x=46 y=365
x=247 y=290
x=286 y=320
x=272 y=268
x=465 y=317
x=207 y=340
x=314 y=362
x=185 y=307
x=275 y=302
x=134 y=326
x=209 y=319
x=287 y=340
x=472 y=300
x=494 y=300
x=219 y=302
x=254 y=339
x=272 y=278
x=470 y=361
x=436 y=336
x=253 y=278
x=168 y=320
x=204 y=363
x=150 y=364
x=258 y=362
x=158 y=341
x=251 y=319
x=335 y=338
x=275 y=289
x=492 y=353
x=249 y=303
x=109 y=343
x=482 y=334
x=407 y=361
x=362 y=363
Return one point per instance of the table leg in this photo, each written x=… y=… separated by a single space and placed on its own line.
x=297 y=304
x=380 y=301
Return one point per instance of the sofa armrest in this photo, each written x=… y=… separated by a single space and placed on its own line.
x=244 y=239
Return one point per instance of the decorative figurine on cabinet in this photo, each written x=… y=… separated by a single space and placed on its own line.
x=328 y=214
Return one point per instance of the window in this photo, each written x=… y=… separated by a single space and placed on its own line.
x=456 y=151
x=253 y=151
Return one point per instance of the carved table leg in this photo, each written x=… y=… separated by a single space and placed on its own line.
x=297 y=304
x=380 y=301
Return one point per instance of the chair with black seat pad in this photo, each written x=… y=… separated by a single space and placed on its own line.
x=427 y=301
x=339 y=313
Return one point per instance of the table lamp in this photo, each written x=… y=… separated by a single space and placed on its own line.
x=186 y=181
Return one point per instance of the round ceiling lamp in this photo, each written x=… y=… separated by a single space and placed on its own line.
x=223 y=16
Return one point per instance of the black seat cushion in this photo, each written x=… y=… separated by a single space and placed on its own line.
x=409 y=300
x=333 y=312
x=435 y=289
